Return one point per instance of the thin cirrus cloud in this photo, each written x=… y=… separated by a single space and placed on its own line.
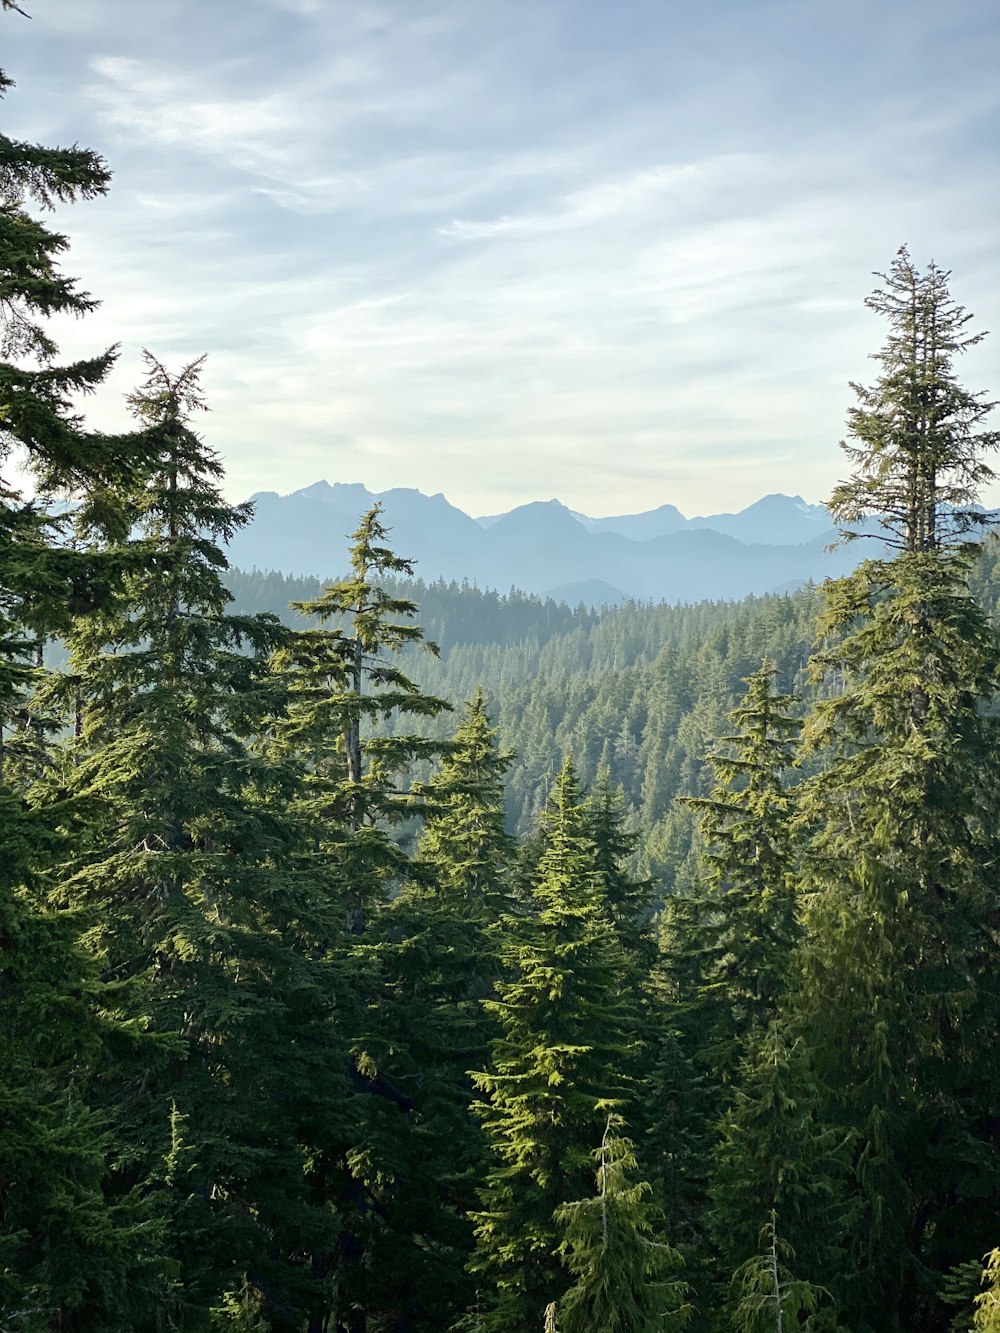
x=668 y=187
x=509 y=249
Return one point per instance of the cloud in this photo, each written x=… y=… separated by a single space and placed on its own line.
x=666 y=187
x=507 y=250
x=165 y=109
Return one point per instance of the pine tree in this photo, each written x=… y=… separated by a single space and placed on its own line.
x=347 y=700
x=768 y=1298
x=568 y=1015
x=437 y=961
x=899 y=994
x=344 y=680
x=465 y=844
x=740 y=928
x=726 y=951
x=625 y=1280
x=919 y=446
x=203 y=923
x=776 y=1158
x=630 y=900
x=66 y=1257
x=680 y=1106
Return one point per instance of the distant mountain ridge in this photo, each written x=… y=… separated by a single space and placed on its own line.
x=544 y=547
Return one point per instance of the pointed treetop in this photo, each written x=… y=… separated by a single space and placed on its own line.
x=917 y=437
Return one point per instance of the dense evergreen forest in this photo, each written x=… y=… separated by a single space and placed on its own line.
x=637 y=695
x=321 y=1012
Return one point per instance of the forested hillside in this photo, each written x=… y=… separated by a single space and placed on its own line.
x=636 y=695
x=300 y=1034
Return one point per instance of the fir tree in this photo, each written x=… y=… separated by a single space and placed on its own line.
x=898 y=996
x=776 y=1158
x=747 y=919
x=568 y=1014
x=436 y=960
x=680 y=1104
x=630 y=900
x=66 y=1256
x=203 y=923
x=918 y=444
x=346 y=697
x=987 y=1317
x=625 y=1280
x=768 y=1298
x=344 y=679
x=465 y=843
x=726 y=953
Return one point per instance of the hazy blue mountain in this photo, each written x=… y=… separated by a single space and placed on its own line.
x=593 y=593
x=306 y=532
x=544 y=547
x=776 y=520
x=640 y=527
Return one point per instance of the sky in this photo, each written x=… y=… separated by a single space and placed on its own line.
x=518 y=249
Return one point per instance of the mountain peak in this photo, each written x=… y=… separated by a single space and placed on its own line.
x=350 y=492
x=657 y=554
x=551 y=515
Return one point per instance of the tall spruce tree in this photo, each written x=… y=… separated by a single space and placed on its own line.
x=987 y=1316
x=347 y=698
x=436 y=956
x=630 y=900
x=899 y=993
x=465 y=844
x=345 y=679
x=726 y=951
x=768 y=1297
x=567 y=1009
x=626 y=1280
x=780 y=1171
x=204 y=925
x=67 y=1258
x=745 y=917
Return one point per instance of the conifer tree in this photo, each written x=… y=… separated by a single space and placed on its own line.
x=567 y=1011
x=680 y=1107
x=768 y=1298
x=347 y=699
x=777 y=1160
x=987 y=1317
x=918 y=442
x=437 y=961
x=202 y=921
x=625 y=1279
x=725 y=953
x=898 y=996
x=465 y=843
x=344 y=679
x=745 y=914
x=66 y=1257
x=630 y=900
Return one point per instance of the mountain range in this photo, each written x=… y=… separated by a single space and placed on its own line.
x=773 y=545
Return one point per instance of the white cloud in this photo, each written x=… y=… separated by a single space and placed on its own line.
x=667 y=187
x=420 y=254
x=165 y=109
